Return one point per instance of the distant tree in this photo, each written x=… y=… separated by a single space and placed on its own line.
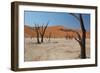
x=49 y=36
x=42 y=31
x=37 y=28
x=79 y=39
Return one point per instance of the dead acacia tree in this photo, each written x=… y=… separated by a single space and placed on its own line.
x=42 y=31
x=37 y=28
x=81 y=40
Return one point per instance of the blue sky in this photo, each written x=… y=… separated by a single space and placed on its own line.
x=54 y=19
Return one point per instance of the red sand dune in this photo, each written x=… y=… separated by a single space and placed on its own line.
x=55 y=31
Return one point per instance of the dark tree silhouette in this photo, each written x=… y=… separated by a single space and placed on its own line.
x=42 y=31
x=37 y=32
x=81 y=40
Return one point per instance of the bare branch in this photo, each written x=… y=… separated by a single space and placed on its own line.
x=45 y=28
x=75 y=16
x=78 y=35
x=79 y=41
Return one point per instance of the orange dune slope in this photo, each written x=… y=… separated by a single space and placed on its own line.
x=54 y=32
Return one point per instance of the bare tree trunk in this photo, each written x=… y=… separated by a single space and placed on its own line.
x=38 y=41
x=42 y=32
x=82 y=40
x=37 y=32
x=83 y=48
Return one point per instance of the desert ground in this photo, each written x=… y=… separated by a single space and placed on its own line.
x=55 y=49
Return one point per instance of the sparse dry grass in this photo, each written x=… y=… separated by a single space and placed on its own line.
x=57 y=49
